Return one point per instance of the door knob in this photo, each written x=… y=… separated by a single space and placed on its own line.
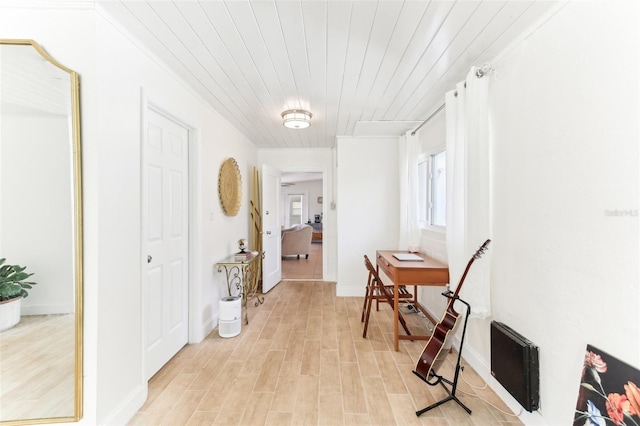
x=149 y=258
x=268 y=232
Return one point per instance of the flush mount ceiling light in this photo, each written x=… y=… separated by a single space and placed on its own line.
x=296 y=119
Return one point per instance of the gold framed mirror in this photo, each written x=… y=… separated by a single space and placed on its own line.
x=41 y=228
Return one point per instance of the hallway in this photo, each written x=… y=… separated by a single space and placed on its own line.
x=302 y=360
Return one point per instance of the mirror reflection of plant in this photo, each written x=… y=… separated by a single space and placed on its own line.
x=12 y=281
x=619 y=407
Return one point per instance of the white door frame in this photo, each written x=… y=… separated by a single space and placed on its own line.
x=325 y=196
x=194 y=225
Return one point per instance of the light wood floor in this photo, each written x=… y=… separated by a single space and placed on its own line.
x=306 y=269
x=302 y=361
x=37 y=367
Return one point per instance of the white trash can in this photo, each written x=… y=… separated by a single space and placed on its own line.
x=230 y=318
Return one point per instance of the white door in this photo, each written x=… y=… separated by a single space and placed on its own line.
x=165 y=240
x=271 y=266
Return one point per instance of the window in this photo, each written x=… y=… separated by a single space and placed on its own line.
x=295 y=209
x=432 y=189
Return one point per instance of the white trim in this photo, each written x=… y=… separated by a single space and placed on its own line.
x=198 y=329
x=128 y=407
x=350 y=290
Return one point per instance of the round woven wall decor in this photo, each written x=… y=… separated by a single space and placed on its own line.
x=230 y=187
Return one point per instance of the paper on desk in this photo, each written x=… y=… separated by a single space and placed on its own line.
x=407 y=256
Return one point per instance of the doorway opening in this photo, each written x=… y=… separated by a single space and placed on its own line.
x=301 y=204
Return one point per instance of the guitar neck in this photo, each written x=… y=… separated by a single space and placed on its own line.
x=477 y=255
x=464 y=275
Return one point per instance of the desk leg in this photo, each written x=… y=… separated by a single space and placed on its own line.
x=396 y=308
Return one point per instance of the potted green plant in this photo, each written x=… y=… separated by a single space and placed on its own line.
x=13 y=288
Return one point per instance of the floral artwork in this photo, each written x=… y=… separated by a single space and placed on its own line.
x=609 y=392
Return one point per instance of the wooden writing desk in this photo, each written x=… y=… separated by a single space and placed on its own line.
x=402 y=272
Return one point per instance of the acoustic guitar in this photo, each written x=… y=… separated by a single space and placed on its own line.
x=433 y=354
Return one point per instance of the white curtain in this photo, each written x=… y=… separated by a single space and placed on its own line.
x=468 y=189
x=409 y=229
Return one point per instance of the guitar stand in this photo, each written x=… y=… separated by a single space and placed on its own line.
x=441 y=380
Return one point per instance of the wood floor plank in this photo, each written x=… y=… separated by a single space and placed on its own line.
x=228 y=418
x=213 y=400
x=284 y=399
x=330 y=372
x=307 y=395
x=202 y=418
x=311 y=358
x=295 y=347
x=279 y=418
x=184 y=408
x=377 y=400
x=238 y=391
x=330 y=409
x=366 y=358
x=346 y=348
x=353 y=399
x=268 y=377
x=391 y=376
x=257 y=408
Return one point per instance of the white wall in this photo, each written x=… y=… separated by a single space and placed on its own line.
x=368 y=218
x=37 y=207
x=115 y=77
x=312 y=160
x=564 y=116
x=124 y=73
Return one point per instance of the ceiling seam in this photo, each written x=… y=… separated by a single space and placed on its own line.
x=189 y=52
x=364 y=58
x=178 y=60
x=421 y=100
x=435 y=34
x=264 y=43
x=344 y=65
x=402 y=57
x=384 y=55
x=293 y=76
x=272 y=138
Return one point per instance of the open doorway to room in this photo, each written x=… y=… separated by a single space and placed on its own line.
x=301 y=205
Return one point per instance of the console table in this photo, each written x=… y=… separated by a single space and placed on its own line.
x=243 y=275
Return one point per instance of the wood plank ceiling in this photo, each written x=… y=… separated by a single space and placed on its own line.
x=359 y=67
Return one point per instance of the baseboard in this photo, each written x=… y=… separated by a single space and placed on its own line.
x=128 y=408
x=47 y=309
x=472 y=358
x=350 y=290
x=199 y=335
